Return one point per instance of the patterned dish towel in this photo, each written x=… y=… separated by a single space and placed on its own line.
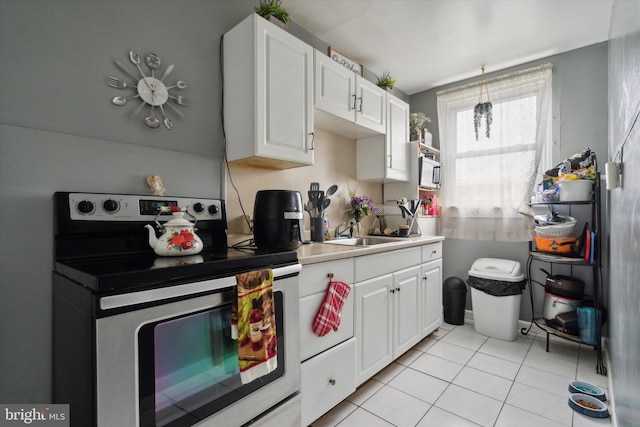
x=256 y=324
x=330 y=311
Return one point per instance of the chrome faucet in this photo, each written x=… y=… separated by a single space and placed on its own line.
x=349 y=227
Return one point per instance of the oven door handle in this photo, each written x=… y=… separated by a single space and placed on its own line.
x=286 y=271
x=152 y=295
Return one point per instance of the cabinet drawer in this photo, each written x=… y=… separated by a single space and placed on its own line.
x=370 y=266
x=313 y=277
x=327 y=380
x=310 y=343
x=431 y=251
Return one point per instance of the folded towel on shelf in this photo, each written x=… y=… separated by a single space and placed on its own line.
x=256 y=325
x=330 y=311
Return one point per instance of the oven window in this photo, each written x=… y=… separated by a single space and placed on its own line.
x=188 y=366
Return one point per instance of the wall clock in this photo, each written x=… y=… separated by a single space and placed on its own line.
x=150 y=89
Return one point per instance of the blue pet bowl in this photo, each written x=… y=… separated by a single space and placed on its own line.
x=586 y=388
x=596 y=408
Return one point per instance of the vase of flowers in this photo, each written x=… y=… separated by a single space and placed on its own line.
x=359 y=207
x=416 y=125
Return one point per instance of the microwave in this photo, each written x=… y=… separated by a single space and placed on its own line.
x=429 y=173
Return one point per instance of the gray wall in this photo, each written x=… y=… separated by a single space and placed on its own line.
x=624 y=135
x=59 y=131
x=579 y=103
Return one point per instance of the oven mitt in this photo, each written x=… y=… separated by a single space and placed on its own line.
x=330 y=311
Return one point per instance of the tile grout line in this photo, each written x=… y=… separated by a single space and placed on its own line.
x=532 y=339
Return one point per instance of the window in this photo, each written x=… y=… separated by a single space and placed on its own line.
x=487 y=182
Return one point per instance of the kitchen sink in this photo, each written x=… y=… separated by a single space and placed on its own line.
x=359 y=241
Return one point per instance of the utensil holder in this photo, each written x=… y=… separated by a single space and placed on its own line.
x=317 y=229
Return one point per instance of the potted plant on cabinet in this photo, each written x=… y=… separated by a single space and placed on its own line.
x=274 y=11
x=385 y=81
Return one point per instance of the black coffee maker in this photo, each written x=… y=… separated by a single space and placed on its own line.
x=278 y=221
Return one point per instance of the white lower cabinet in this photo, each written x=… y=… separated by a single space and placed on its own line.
x=327 y=379
x=395 y=302
x=374 y=326
x=387 y=325
x=431 y=297
x=406 y=310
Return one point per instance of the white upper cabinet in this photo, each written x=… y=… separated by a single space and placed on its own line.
x=268 y=95
x=385 y=158
x=371 y=105
x=346 y=103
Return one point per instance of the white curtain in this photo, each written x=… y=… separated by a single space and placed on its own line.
x=487 y=182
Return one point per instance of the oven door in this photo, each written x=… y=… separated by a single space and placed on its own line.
x=175 y=364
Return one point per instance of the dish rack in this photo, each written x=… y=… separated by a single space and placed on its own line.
x=402 y=208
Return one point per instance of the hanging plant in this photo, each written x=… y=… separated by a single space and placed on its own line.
x=483 y=109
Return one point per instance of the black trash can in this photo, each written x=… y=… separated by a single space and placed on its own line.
x=454 y=297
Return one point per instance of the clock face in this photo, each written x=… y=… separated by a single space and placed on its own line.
x=153 y=91
x=149 y=90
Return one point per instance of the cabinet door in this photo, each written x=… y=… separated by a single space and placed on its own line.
x=373 y=326
x=371 y=103
x=284 y=113
x=406 y=309
x=335 y=91
x=431 y=297
x=397 y=139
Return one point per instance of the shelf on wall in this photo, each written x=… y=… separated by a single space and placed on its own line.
x=427 y=148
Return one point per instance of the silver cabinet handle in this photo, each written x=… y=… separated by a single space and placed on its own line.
x=313 y=140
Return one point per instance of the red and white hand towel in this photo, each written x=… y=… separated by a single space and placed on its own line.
x=330 y=311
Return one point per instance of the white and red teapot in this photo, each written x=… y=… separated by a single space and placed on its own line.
x=178 y=237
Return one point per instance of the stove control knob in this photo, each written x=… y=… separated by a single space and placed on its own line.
x=213 y=209
x=110 y=206
x=198 y=207
x=85 y=207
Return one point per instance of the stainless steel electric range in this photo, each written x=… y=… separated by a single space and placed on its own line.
x=143 y=340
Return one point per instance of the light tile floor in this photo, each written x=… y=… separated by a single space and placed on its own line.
x=456 y=377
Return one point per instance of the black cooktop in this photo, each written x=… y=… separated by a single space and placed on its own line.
x=117 y=274
x=100 y=243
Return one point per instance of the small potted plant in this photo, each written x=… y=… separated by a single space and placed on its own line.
x=385 y=81
x=274 y=11
x=416 y=124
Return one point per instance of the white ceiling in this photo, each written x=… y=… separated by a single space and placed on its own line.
x=429 y=43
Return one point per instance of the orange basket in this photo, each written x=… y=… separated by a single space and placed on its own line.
x=557 y=245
